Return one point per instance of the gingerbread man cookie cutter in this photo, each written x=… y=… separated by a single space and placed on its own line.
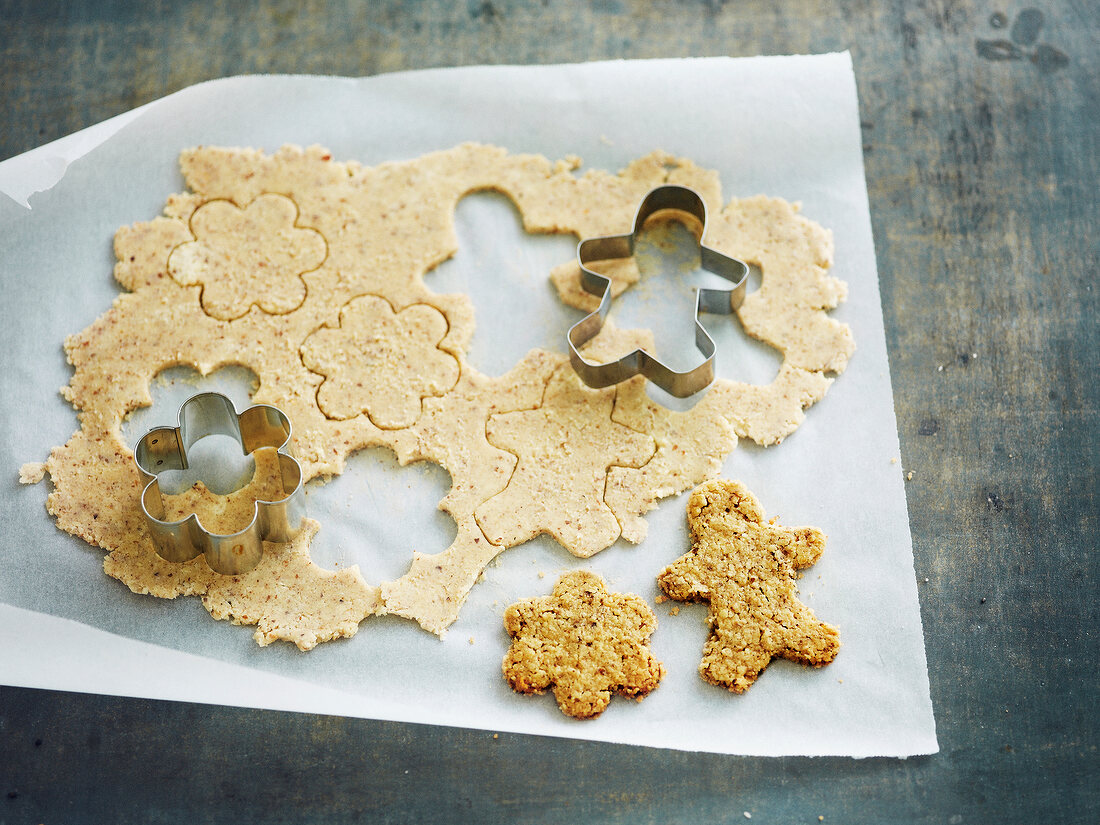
x=641 y=362
x=165 y=448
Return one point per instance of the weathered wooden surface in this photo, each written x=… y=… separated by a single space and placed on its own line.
x=981 y=126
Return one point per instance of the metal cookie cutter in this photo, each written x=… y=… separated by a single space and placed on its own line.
x=165 y=448
x=640 y=362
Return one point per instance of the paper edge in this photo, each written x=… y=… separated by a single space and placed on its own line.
x=40 y=651
x=864 y=211
x=33 y=644
x=41 y=168
x=74 y=146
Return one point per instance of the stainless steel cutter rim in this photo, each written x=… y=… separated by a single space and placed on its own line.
x=165 y=448
x=641 y=362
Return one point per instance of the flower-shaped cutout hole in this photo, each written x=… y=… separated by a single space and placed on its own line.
x=357 y=507
x=381 y=362
x=255 y=256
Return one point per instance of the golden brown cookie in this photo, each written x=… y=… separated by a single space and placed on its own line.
x=745 y=568
x=582 y=642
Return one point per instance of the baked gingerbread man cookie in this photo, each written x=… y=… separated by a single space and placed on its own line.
x=582 y=642
x=745 y=568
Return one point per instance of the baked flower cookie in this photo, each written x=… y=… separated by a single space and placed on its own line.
x=745 y=568
x=582 y=642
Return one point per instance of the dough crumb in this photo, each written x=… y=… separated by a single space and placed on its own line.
x=32 y=472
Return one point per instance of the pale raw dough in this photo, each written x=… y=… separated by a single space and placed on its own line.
x=303 y=269
x=565 y=449
x=380 y=362
x=255 y=255
x=32 y=472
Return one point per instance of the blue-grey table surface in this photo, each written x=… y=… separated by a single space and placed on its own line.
x=980 y=121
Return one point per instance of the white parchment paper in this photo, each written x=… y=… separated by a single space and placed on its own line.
x=785 y=126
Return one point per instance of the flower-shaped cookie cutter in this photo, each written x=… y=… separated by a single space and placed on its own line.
x=165 y=448
x=641 y=362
